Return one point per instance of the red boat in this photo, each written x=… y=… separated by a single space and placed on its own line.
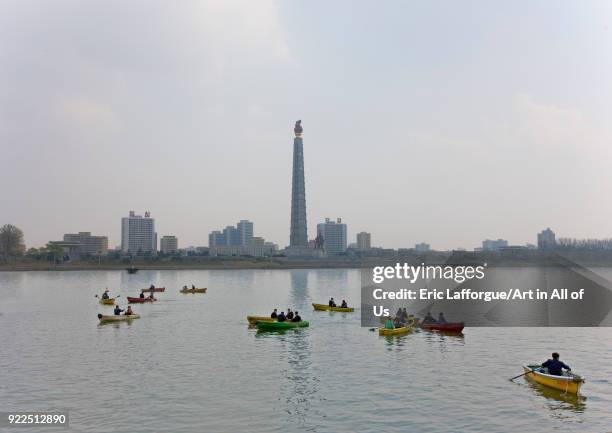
x=139 y=300
x=444 y=327
x=157 y=289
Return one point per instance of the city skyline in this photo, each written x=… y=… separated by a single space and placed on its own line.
x=413 y=136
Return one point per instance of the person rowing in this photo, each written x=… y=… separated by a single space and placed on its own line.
x=142 y=295
x=152 y=287
x=129 y=311
x=344 y=304
x=105 y=295
x=332 y=303
x=555 y=367
x=274 y=314
x=429 y=318
x=441 y=318
x=281 y=317
x=296 y=317
x=118 y=310
x=289 y=314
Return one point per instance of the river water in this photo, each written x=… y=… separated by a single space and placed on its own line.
x=190 y=363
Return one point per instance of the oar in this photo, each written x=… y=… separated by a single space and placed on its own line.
x=527 y=372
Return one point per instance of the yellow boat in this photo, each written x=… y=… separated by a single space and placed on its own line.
x=323 y=307
x=400 y=330
x=203 y=290
x=254 y=319
x=109 y=301
x=120 y=318
x=569 y=382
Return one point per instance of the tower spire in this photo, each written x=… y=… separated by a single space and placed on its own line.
x=298 y=236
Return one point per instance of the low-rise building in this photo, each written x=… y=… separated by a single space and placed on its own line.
x=168 y=244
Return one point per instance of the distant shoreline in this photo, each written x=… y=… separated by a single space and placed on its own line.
x=522 y=259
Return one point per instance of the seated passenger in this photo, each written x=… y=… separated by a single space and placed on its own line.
x=441 y=318
x=404 y=314
x=296 y=317
x=274 y=314
x=332 y=303
x=193 y=287
x=344 y=304
x=152 y=286
x=555 y=366
x=429 y=318
x=105 y=294
x=118 y=310
x=281 y=317
x=389 y=324
x=129 y=311
x=289 y=314
x=142 y=295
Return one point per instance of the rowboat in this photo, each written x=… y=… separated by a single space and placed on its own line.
x=108 y=319
x=254 y=319
x=109 y=301
x=203 y=290
x=131 y=270
x=399 y=330
x=280 y=326
x=139 y=300
x=444 y=327
x=568 y=382
x=323 y=307
x=157 y=289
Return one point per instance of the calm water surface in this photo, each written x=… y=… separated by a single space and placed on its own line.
x=190 y=364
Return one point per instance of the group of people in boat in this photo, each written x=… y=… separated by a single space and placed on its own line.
x=332 y=303
x=430 y=319
x=291 y=316
x=401 y=319
x=193 y=287
x=151 y=297
x=128 y=312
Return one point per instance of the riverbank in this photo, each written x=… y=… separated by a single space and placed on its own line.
x=458 y=258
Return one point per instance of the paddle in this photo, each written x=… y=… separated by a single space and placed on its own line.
x=527 y=372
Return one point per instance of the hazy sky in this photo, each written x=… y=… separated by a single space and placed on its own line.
x=444 y=122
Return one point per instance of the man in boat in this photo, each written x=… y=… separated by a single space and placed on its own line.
x=118 y=310
x=404 y=314
x=389 y=324
x=193 y=287
x=289 y=314
x=296 y=317
x=105 y=294
x=129 y=311
x=152 y=287
x=441 y=318
x=555 y=366
x=332 y=303
x=344 y=304
x=142 y=295
x=281 y=317
x=429 y=318
x=274 y=314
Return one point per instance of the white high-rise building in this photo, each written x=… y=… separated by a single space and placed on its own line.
x=364 y=241
x=138 y=234
x=245 y=231
x=334 y=235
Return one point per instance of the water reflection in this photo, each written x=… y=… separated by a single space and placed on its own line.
x=558 y=400
x=299 y=287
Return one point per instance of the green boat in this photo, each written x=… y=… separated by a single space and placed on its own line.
x=280 y=326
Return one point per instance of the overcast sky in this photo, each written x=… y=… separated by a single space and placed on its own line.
x=441 y=122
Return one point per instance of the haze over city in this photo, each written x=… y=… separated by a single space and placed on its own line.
x=488 y=123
